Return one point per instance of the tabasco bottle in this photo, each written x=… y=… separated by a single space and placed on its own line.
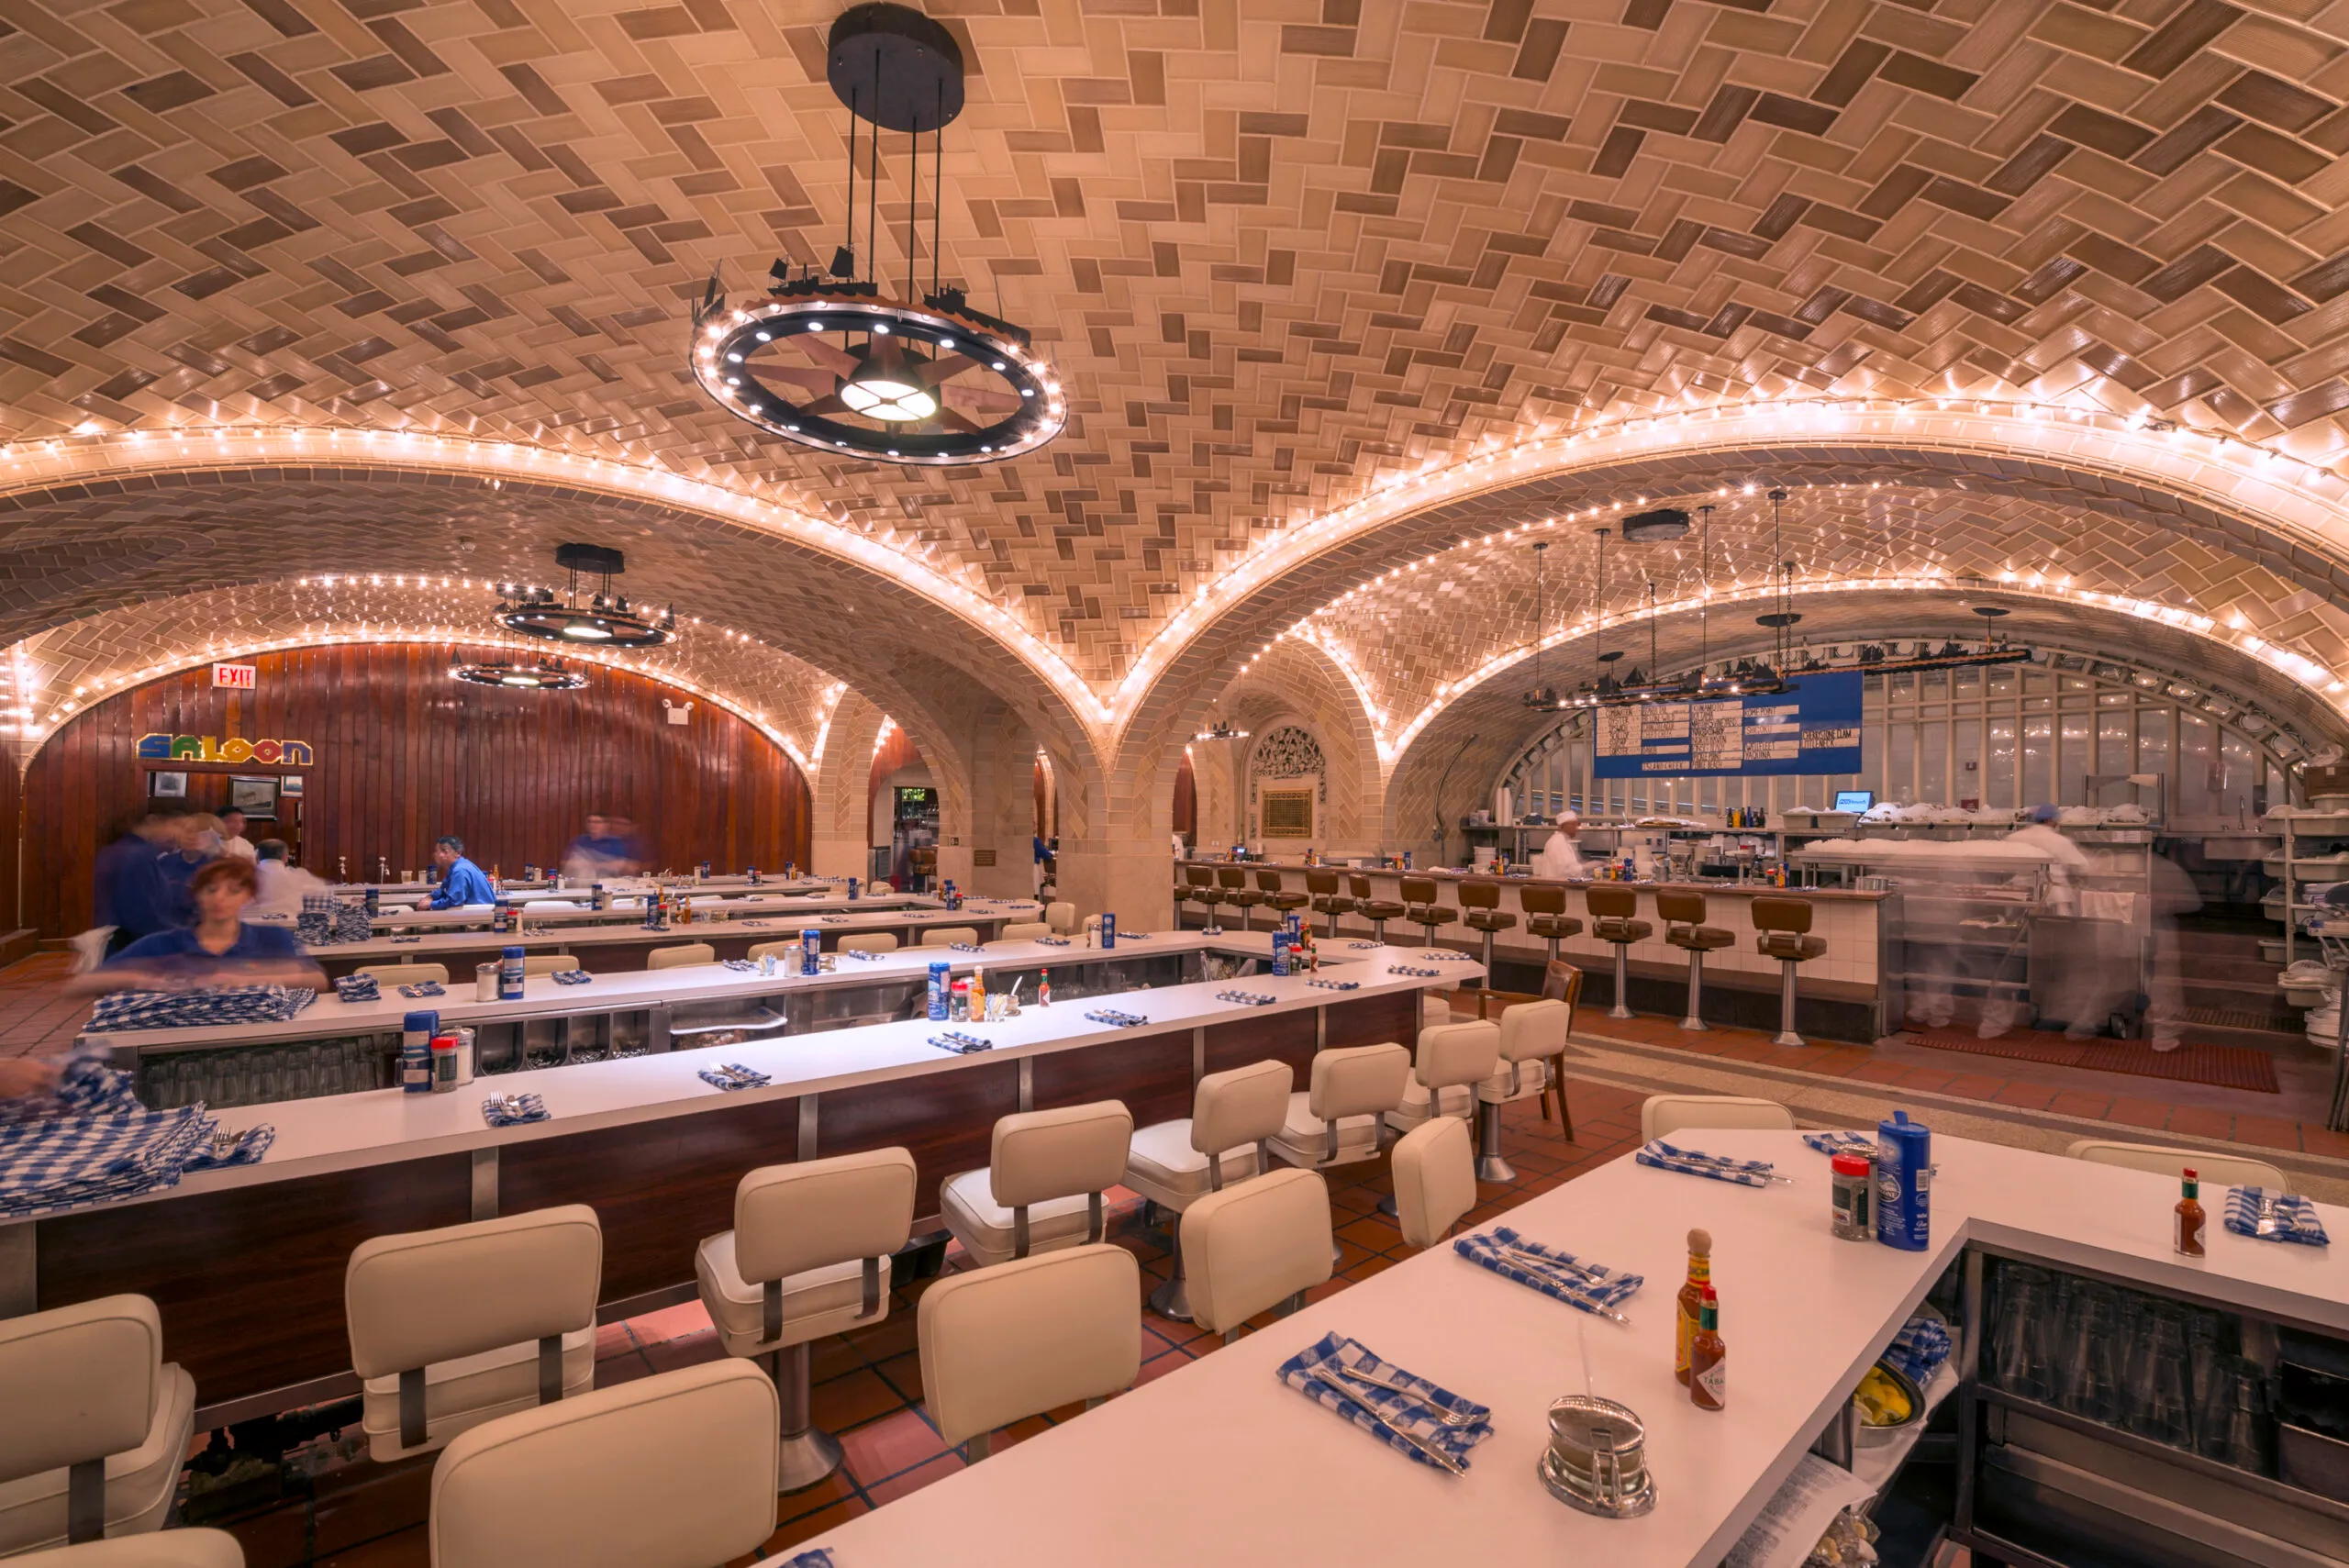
x=2190 y=1218
x=1708 y=1358
x=1691 y=1302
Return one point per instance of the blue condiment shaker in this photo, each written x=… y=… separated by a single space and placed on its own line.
x=941 y=980
x=1904 y=1179
x=1280 y=952
x=852 y=888
x=1109 y=929
x=811 y=942
x=509 y=974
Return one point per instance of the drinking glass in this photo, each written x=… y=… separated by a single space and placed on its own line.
x=2091 y=1379
x=269 y=1078
x=2022 y=1303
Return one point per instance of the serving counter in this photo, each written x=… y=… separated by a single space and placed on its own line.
x=1270 y=1479
x=247 y=1262
x=576 y=908
x=1842 y=995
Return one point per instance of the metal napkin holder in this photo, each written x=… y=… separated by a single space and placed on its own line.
x=1596 y=1461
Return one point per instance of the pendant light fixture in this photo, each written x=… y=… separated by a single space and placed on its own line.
x=834 y=362
x=1781 y=619
x=520 y=674
x=605 y=618
x=1542 y=694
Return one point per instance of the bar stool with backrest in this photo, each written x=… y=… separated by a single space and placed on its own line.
x=1256 y=1248
x=1533 y=1038
x=2225 y=1170
x=1234 y=1114
x=1233 y=881
x=96 y=1423
x=1041 y=1187
x=1661 y=1115
x=1561 y=981
x=1481 y=911
x=1684 y=928
x=182 y=1548
x=808 y=1257
x=1022 y=931
x=1277 y=899
x=1335 y=1121
x=1321 y=887
x=1435 y=1182
x=405 y=973
x=549 y=963
x=1376 y=910
x=1419 y=893
x=869 y=941
x=455 y=1326
x=1061 y=917
x=1614 y=917
x=947 y=936
x=1546 y=917
x=1453 y=1059
x=999 y=1345
x=681 y=956
x=1199 y=888
x=1784 y=927
x=672 y=1471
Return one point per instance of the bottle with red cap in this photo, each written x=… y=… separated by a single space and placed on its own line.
x=2187 y=1235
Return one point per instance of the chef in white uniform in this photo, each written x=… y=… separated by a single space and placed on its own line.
x=1559 y=861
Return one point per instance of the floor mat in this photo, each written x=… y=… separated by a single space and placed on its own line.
x=2221 y=1066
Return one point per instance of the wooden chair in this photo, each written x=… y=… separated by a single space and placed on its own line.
x=1561 y=981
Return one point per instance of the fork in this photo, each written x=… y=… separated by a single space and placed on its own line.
x=1433 y=1454
x=1449 y=1417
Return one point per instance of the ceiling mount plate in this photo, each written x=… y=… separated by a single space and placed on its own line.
x=598 y=560
x=897 y=68
x=1777 y=620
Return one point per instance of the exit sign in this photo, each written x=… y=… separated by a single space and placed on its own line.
x=240 y=676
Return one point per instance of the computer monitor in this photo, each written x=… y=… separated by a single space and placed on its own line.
x=1855 y=799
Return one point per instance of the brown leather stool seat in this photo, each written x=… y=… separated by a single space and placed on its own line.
x=1378 y=911
x=1614 y=917
x=1235 y=891
x=1321 y=887
x=1419 y=893
x=1782 y=928
x=1684 y=928
x=1480 y=911
x=1279 y=902
x=1546 y=917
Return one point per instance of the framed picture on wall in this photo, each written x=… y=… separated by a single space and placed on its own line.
x=290 y=785
x=167 y=786
x=1288 y=813
x=256 y=797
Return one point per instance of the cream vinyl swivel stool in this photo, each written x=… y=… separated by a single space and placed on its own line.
x=1435 y=1182
x=1661 y=1115
x=808 y=1256
x=1336 y=1121
x=947 y=936
x=1234 y=1115
x=1061 y=915
x=1684 y=928
x=96 y=1426
x=1614 y=911
x=1041 y=1189
x=1533 y=1038
x=158 y=1548
x=672 y=1471
x=1453 y=1059
x=2220 y=1170
x=685 y=955
x=1001 y=1344
x=455 y=1326
x=1257 y=1247
x=1784 y=927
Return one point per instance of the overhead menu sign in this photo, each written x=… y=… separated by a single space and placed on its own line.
x=1812 y=727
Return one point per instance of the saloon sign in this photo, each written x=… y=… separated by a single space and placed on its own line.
x=212 y=748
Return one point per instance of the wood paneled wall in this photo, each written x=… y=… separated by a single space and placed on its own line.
x=404 y=754
x=1186 y=801
x=12 y=812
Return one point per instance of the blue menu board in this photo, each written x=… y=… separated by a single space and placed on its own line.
x=1812 y=727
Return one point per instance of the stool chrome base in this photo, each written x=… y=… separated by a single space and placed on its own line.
x=1695 y=1021
x=1486 y=984
x=1490 y=1166
x=1172 y=1299
x=808 y=1453
x=1379 y=932
x=1786 y=1035
x=1622 y=1008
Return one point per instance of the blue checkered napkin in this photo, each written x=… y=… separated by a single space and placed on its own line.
x=1691 y=1162
x=732 y=1075
x=1311 y=1373
x=1447 y=955
x=957 y=1043
x=1919 y=1349
x=423 y=988
x=1413 y=971
x=966 y=947
x=1336 y=984
x=71 y=1162
x=743 y=965
x=1837 y=1140
x=815 y=1557
x=2291 y=1218
x=1116 y=1019
x=513 y=1110
x=396 y=940
x=314 y=927
x=1246 y=998
x=571 y=977
x=1053 y=942
x=831 y=919
x=124 y=1010
x=352 y=923
x=1362 y=944
x=219 y=1148
x=1562 y=1283
x=357 y=988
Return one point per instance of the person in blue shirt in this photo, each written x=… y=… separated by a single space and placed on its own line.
x=142 y=879
x=462 y=881
x=219 y=950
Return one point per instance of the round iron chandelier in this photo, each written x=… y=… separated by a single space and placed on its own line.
x=606 y=620
x=832 y=362
x=520 y=674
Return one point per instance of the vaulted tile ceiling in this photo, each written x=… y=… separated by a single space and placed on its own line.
x=1275 y=247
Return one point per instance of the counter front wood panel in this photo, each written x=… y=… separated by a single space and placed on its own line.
x=946 y=1119
x=404 y=754
x=1151 y=1074
x=249 y=1280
